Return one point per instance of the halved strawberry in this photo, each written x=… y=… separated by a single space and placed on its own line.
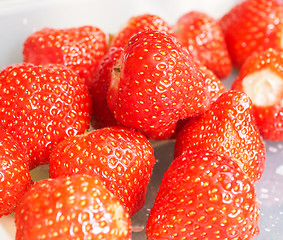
x=76 y=207
x=41 y=105
x=155 y=84
x=204 y=195
x=121 y=157
x=253 y=26
x=261 y=78
x=138 y=24
x=80 y=48
x=202 y=35
x=15 y=176
x=228 y=127
x=101 y=114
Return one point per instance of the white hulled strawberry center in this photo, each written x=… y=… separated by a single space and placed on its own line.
x=265 y=87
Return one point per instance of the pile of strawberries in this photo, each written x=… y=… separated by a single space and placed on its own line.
x=88 y=106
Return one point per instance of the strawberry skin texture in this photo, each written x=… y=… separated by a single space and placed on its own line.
x=79 y=48
x=253 y=26
x=228 y=127
x=14 y=172
x=76 y=207
x=101 y=114
x=137 y=24
x=202 y=35
x=155 y=83
x=204 y=195
x=41 y=105
x=213 y=88
x=121 y=157
x=269 y=118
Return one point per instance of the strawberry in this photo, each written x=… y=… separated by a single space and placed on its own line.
x=202 y=35
x=261 y=78
x=227 y=127
x=101 y=114
x=156 y=83
x=80 y=48
x=204 y=195
x=14 y=172
x=214 y=87
x=121 y=157
x=76 y=207
x=253 y=26
x=137 y=24
x=41 y=105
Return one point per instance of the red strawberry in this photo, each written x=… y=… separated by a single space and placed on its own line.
x=122 y=158
x=76 y=207
x=79 y=48
x=202 y=35
x=14 y=173
x=138 y=24
x=155 y=83
x=213 y=86
x=253 y=26
x=204 y=195
x=261 y=78
x=101 y=114
x=229 y=128
x=41 y=105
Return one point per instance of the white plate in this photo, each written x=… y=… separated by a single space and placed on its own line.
x=19 y=18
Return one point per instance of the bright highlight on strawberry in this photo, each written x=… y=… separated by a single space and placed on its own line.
x=15 y=177
x=202 y=35
x=41 y=105
x=121 y=157
x=253 y=26
x=76 y=207
x=204 y=195
x=80 y=49
x=227 y=127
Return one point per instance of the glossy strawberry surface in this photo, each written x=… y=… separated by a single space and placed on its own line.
x=155 y=84
x=76 y=207
x=138 y=24
x=204 y=195
x=15 y=177
x=202 y=35
x=41 y=105
x=253 y=26
x=80 y=48
x=101 y=114
x=121 y=157
x=261 y=77
x=228 y=127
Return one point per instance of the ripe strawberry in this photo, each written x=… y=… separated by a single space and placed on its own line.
x=261 y=78
x=80 y=48
x=253 y=26
x=204 y=195
x=229 y=128
x=14 y=172
x=101 y=114
x=137 y=24
x=214 y=87
x=41 y=105
x=121 y=157
x=76 y=207
x=155 y=83
x=202 y=35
